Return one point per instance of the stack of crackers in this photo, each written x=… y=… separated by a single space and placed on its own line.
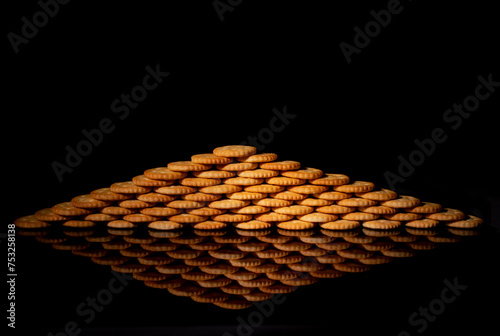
x=236 y=186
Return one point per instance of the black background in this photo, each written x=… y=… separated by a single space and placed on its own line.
x=225 y=79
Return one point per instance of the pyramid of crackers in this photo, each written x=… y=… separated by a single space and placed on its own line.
x=237 y=186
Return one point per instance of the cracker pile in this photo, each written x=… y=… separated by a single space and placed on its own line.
x=235 y=186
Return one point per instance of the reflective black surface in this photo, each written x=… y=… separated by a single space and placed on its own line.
x=313 y=279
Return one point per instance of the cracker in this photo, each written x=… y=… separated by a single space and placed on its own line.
x=187 y=290
x=253 y=225
x=289 y=259
x=294 y=210
x=466 y=223
x=243 y=181
x=351 y=267
x=305 y=173
x=447 y=214
x=246 y=195
x=258 y=158
x=234 y=303
x=359 y=216
x=355 y=187
x=270 y=253
x=196 y=275
x=317 y=238
x=247 y=261
x=163 y=173
x=295 y=225
x=288 y=195
x=153 y=197
x=257 y=296
x=278 y=289
x=307 y=189
x=314 y=252
x=67 y=209
x=292 y=246
x=214 y=283
x=184 y=253
x=30 y=222
x=378 y=245
x=378 y=209
x=264 y=188
x=378 y=195
x=355 y=253
x=219 y=268
x=330 y=180
x=314 y=202
x=284 y=181
x=201 y=261
x=356 y=202
x=327 y=274
x=251 y=210
x=258 y=173
x=187 y=218
x=399 y=252
x=280 y=165
x=176 y=190
x=187 y=166
x=422 y=223
x=165 y=284
x=332 y=195
x=272 y=217
x=381 y=224
x=402 y=201
x=47 y=215
x=227 y=204
x=220 y=189
x=257 y=282
x=199 y=182
x=232 y=217
x=375 y=260
x=425 y=208
x=272 y=202
x=87 y=202
x=235 y=151
x=121 y=224
x=209 y=225
x=134 y=204
x=237 y=166
x=140 y=218
x=160 y=211
x=335 y=209
x=174 y=268
x=225 y=253
x=205 y=211
x=213 y=174
x=303 y=281
x=184 y=204
x=403 y=216
x=128 y=188
x=99 y=217
x=210 y=159
x=149 y=276
x=201 y=197
x=79 y=223
x=317 y=217
x=251 y=246
x=142 y=180
x=340 y=224
x=105 y=194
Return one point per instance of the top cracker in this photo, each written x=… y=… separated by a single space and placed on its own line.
x=235 y=151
